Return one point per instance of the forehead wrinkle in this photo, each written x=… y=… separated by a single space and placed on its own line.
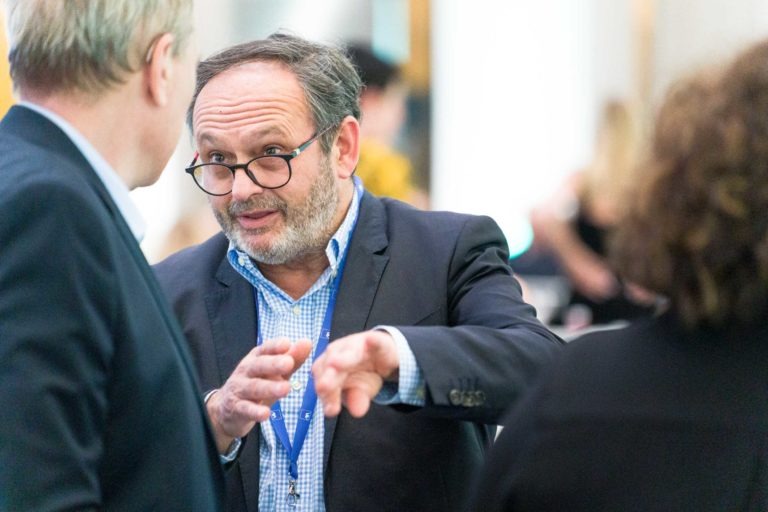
x=269 y=120
x=254 y=95
x=251 y=109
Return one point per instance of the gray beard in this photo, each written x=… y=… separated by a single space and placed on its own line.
x=307 y=229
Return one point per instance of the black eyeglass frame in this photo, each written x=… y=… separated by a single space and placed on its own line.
x=190 y=169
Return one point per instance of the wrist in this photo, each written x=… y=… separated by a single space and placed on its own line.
x=389 y=365
x=224 y=441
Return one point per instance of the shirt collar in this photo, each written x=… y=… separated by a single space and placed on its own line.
x=115 y=186
x=334 y=251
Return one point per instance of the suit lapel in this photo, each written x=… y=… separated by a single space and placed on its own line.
x=365 y=265
x=232 y=314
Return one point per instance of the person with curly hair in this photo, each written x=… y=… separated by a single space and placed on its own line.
x=670 y=413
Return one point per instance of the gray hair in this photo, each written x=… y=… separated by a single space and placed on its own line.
x=88 y=45
x=329 y=79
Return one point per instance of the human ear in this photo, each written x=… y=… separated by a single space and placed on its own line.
x=158 y=71
x=346 y=149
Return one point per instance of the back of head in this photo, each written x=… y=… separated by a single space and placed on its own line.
x=375 y=73
x=330 y=83
x=697 y=229
x=87 y=45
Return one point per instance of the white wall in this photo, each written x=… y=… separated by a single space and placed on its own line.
x=516 y=85
x=513 y=93
x=693 y=33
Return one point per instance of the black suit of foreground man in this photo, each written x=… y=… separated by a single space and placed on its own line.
x=99 y=408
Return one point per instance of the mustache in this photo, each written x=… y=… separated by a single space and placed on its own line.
x=257 y=203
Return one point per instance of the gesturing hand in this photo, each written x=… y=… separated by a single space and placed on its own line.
x=353 y=369
x=260 y=379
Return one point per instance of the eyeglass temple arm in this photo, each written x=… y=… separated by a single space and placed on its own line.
x=194 y=159
x=296 y=152
x=299 y=150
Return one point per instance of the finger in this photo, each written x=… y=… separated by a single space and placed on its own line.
x=332 y=403
x=267 y=366
x=273 y=347
x=252 y=412
x=300 y=351
x=328 y=380
x=328 y=389
x=264 y=391
x=345 y=357
x=356 y=401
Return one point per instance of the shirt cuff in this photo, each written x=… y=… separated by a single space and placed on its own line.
x=410 y=386
x=232 y=452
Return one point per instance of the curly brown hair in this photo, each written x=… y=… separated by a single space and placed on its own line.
x=697 y=228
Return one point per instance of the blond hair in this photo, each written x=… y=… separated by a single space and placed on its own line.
x=611 y=174
x=87 y=45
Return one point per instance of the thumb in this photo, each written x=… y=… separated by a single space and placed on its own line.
x=299 y=351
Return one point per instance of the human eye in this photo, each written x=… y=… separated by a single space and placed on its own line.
x=215 y=158
x=273 y=150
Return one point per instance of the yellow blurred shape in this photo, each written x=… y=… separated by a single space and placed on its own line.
x=6 y=88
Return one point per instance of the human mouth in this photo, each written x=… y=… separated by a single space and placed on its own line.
x=257 y=219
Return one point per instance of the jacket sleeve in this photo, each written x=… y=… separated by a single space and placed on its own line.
x=56 y=348
x=478 y=365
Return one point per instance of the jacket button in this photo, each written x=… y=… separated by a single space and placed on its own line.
x=455 y=397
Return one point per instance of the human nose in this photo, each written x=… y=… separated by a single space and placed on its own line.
x=243 y=185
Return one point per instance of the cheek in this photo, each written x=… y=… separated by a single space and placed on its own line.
x=219 y=203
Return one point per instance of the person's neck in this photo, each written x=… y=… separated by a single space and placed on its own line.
x=102 y=122
x=296 y=277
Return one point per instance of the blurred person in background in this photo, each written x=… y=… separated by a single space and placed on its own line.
x=428 y=338
x=670 y=413
x=575 y=223
x=384 y=170
x=99 y=408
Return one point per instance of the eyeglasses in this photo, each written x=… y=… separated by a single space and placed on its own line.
x=269 y=171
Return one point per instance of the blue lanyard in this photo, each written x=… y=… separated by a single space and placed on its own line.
x=309 y=401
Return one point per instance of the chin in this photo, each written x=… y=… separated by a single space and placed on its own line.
x=145 y=180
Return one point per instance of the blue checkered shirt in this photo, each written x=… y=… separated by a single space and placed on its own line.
x=281 y=316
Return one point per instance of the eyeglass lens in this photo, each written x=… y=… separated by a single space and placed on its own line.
x=269 y=172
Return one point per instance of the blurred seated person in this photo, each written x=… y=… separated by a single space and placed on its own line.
x=384 y=170
x=670 y=413
x=574 y=224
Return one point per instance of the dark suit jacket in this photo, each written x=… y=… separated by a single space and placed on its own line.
x=642 y=419
x=444 y=281
x=98 y=397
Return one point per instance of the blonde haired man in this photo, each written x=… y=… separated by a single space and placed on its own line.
x=98 y=402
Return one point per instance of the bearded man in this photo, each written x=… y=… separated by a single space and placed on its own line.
x=430 y=340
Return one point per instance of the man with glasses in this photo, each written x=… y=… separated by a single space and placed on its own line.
x=431 y=340
x=99 y=408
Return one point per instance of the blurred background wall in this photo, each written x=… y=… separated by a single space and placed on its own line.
x=504 y=95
